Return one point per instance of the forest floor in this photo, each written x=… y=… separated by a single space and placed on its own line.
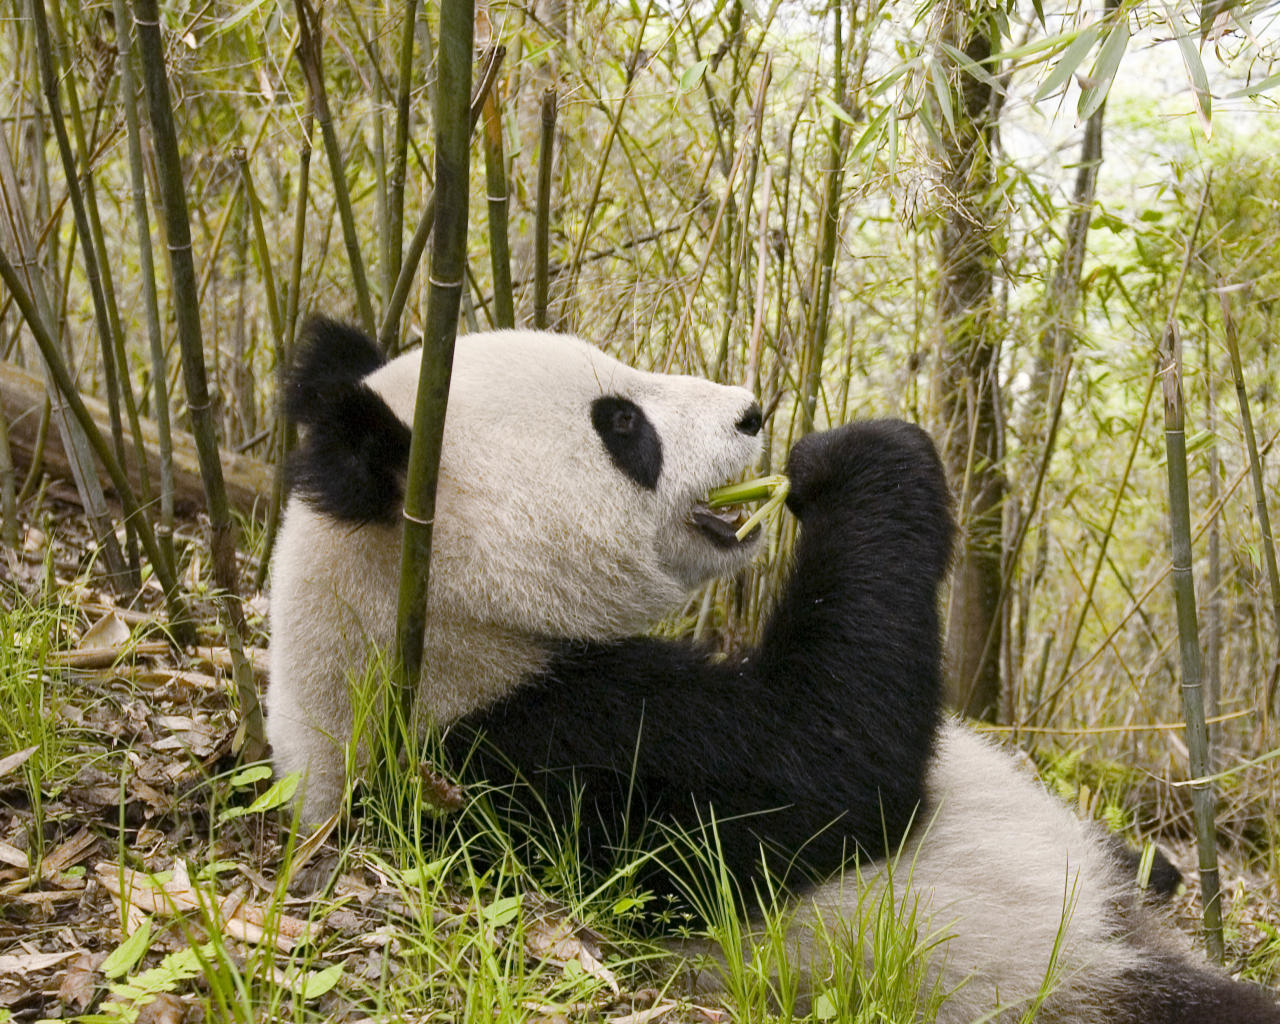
x=147 y=876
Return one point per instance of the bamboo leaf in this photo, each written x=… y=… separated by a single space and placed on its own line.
x=835 y=110
x=692 y=76
x=1200 y=93
x=1065 y=68
x=1266 y=85
x=1104 y=70
x=942 y=92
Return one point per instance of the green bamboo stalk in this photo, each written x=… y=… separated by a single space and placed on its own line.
x=49 y=83
x=309 y=54
x=1255 y=476
x=182 y=276
x=400 y=144
x=8 y=490
x=606 y=148
x=1213 y=600
x=74 y=442
x=116 y=368
x=1202 y=790
x=448 y=258
x=495 y=170
x=146 y=265
x=179 y=622
x=738 y=263
x=542 y=222
x=389 y=335
x=285 y=431
x=829 y=231
x=262 y=245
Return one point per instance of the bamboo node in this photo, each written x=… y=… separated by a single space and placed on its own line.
x=418 y=519
x=456 y=283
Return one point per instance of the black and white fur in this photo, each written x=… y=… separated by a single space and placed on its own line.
x=567 y=523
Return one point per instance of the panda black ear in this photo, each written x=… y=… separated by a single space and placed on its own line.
x=350 y=464
x=331 y=357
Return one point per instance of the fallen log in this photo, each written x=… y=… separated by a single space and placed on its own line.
x=22 y=396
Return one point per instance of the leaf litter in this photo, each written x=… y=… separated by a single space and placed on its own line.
x=137 y=858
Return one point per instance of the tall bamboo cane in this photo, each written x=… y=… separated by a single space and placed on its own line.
x=182 y=275
x=448 y=260
x=1202 y=791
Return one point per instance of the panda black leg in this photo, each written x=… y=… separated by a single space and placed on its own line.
x=1172 y=991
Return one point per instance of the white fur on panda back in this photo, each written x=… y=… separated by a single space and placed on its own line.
x=998 y=893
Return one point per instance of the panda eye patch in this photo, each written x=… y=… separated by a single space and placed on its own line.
x=629 y=438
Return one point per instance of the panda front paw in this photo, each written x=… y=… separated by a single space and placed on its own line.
x=876 y=463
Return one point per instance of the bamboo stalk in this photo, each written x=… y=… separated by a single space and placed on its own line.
x=448 y=258
x=389 y=335
x=286 y=431
x=178 y=618
x=829 y=231
x=8 y=490
x=1202 y=791
x=75 y=443
x=49 y=82
x=400 y=145
x=182 y=276
x=1213 y=600
x=1259 y=488
x=146 y=266
x=605 y=149
x=263 y=247
x=495 y=171
x=542 y=223
x=309 y=54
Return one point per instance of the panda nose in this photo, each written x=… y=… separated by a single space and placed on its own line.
x=751 y=421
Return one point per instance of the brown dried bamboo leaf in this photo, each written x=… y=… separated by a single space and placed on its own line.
x=68 y=853
x=110 y=630
x=16 y=760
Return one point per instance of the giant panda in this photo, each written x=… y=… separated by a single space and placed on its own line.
x=569 y=520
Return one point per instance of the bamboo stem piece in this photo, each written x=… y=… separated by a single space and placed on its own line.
x=1259 y=487
x=146 y=266
x=182 y=276
x=495 y=171
x=542 y=224
x=309 y=54
x=1202 y=791
x=400 y=145
x=448 y=260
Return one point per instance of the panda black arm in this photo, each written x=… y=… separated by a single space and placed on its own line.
x=816 y=742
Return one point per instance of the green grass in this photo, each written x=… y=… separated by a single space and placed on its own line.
x=416 y=914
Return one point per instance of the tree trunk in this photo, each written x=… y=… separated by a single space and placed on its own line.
x=966 y=380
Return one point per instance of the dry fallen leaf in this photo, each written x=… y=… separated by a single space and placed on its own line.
x=556 y=936
x=15 y=760
x=108 y=631
x=166 y=1008
x=80 y=983
x=248 y=922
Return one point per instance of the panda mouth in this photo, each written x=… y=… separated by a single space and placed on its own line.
x=720 y=526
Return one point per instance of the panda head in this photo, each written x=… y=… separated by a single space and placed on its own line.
x=571 y=485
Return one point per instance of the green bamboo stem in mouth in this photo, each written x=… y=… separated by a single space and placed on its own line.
x=772 y=490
